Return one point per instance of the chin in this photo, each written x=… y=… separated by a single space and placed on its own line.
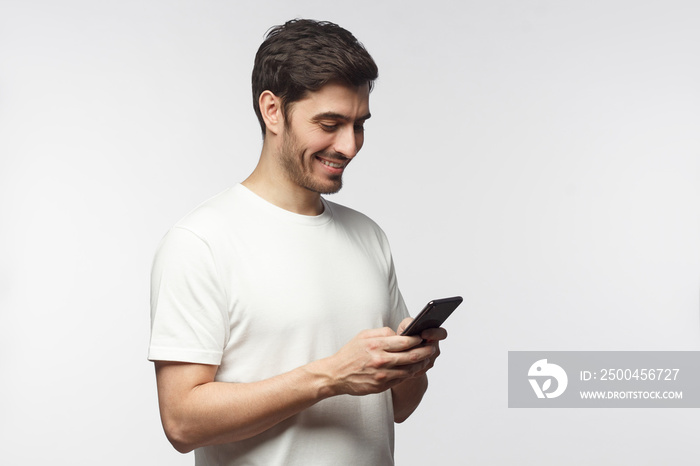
x=322 y=183
x=336 y=186
x=326 y=188
x=330 y=189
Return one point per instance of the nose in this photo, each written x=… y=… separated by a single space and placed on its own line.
x=348 y=141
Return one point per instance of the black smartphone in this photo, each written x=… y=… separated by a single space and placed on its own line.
x=433 y=315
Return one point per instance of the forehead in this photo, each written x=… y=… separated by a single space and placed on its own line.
x=335 y=98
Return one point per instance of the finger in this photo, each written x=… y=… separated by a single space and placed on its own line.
x=404 y=323
x=408 y=370
x=418 y=368
x=434 y=334
x=415 y=356
x=376 y=333
x=400 y=343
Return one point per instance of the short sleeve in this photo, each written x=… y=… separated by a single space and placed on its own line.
x=398 y=306
x=188 y=302
x=397 y=310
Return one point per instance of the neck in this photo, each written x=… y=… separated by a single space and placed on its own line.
x=269 y=183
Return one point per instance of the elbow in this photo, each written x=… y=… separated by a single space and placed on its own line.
x=181 y=447
x=179 y=436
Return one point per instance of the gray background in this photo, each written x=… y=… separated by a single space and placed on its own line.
x=540 y=158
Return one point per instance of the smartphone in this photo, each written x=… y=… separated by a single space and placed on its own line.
x=433 y=315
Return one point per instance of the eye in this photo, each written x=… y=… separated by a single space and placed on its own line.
x=359 y=128
x=328 y=127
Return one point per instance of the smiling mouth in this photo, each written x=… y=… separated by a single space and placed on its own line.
x=336 y=162
x=332 y=164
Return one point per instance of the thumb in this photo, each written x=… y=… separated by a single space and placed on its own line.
x=404 y=323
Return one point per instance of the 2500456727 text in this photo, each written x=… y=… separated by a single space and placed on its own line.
x=630 y=374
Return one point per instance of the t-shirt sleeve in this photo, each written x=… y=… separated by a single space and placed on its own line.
x=188 y=303
x=398 y=308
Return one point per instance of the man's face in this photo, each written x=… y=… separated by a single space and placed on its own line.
x=324 y=131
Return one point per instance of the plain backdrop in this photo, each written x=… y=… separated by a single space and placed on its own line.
x=540 y=158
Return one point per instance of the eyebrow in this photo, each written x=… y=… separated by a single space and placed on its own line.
x=339 y=116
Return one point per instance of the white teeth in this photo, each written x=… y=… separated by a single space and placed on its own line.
x=332 y=164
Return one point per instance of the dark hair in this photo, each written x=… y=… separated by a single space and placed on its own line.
x=302 y=55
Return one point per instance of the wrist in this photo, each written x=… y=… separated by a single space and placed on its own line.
x=321 y=378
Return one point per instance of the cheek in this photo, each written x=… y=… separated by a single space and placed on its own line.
x=323 y=143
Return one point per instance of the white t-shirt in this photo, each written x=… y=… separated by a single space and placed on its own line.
x=258 y=290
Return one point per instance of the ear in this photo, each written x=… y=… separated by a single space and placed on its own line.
x=271 y=110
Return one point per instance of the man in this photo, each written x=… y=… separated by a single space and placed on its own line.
x=273 y=309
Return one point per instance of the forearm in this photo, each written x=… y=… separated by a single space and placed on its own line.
x=407 y=396
x=197 y=411
x=219 y=412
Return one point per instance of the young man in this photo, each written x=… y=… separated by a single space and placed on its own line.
x=272 y=308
